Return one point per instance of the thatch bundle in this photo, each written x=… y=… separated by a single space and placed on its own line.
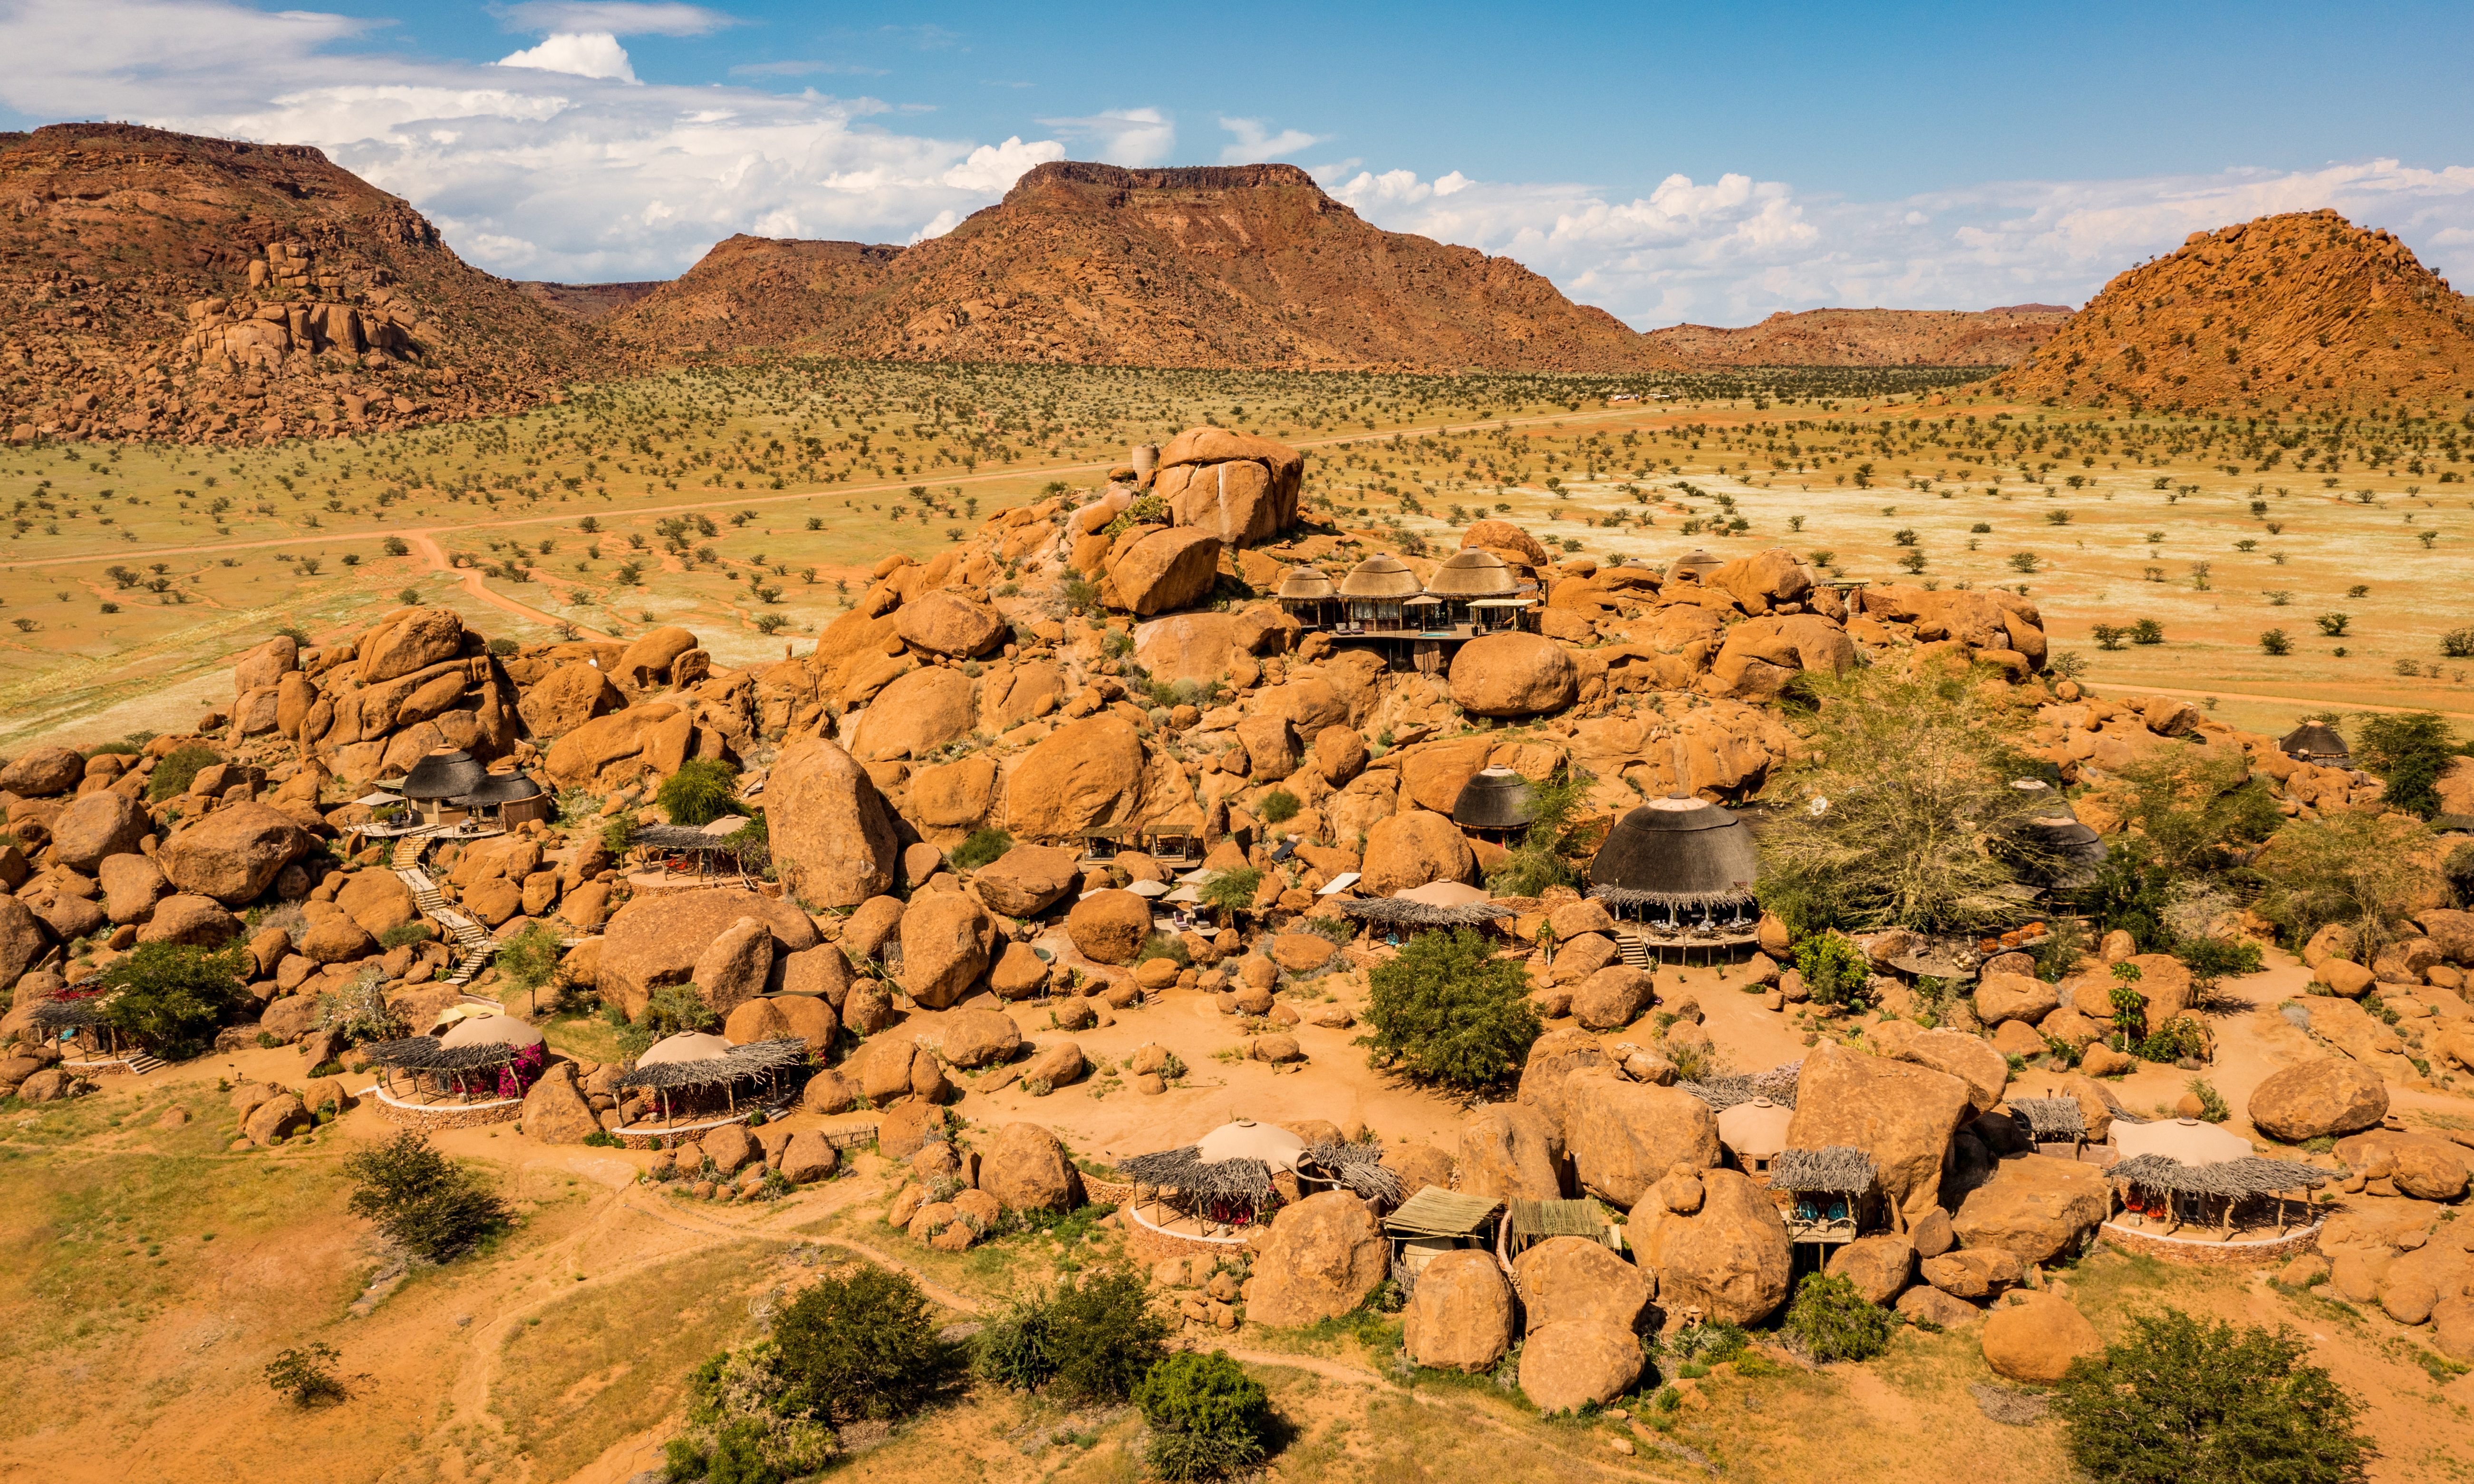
x=1379 y=577
x=1358 y=1166
x=1246 y=1182
x=54 y=1016
x=429 y=1054
x=2250 y=1176
x=1721 y=1093
x=1839 y=1168
x=2052 y=1120
x=1396 y=911
x=755 y=1059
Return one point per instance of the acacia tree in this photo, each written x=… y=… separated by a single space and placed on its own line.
x=1446 y=1010
x=2363 y=871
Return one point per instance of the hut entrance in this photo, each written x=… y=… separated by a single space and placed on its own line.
x=1827 y=1197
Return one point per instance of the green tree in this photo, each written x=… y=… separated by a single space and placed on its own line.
x=862 y=1344
x=2195 y=809
x=1105 y=1335
x=424 y=1202
x=1230 y=892
x=1208 y=1418
x=2363 y=870
x=1836 y=1322
x=1446 y=1010
x=702 y=790
x=178 y=769
x=2179 y=1400
x=1834 y=970
x=170 y=997
x=306 y=1374
x=1542 y=858
x=529 y=960
x=2409 y=751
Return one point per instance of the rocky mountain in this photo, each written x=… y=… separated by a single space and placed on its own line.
x=1869 y=337
x=2298 y=310
x=589 y=300
x=165 y=285
x=1245 y=265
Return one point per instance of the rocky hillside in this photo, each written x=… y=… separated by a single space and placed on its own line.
x=753 y=293
x=1869 y=337
x=164 y=285
x=1235 y=266
x=589 y=300
x=2299 y=311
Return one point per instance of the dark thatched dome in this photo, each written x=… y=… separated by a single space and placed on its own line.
x=1494 y=798
x=2315 y=741
x=507 y=788
x=1677 y=852
x=445 y=774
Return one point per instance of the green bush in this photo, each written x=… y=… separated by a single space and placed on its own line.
x=2181 y=1036
x=1208 y=1418
x=502 y=647
x=702 y=790
x=1230 y=892
x=2180 y=1401
x=1103 y=1335
x=1277 y=807
x=424 y=1202
x=1834 y=970
x=306 y=1374
x=178 y=769
x=862 y=1344
x=170 y=997
x=1446 y=1010
x=1837 y=1323
x=2409 y=751
x=617 y=834
x=403 y=933
x=529 y=959
x=1012 y=1348
x=2211 y=959
x=2212 y=1107
x=979 y=848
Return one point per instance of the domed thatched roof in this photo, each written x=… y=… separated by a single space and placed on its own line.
x=1693 y=565
x=2315 y=742
x=1473 y=572
x=1380 y=577
x=445 y=774
x=1494 y=798
x=504 y=788
x=1677 y=852
x=1305 y=584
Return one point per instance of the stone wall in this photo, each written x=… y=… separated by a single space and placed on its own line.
x=2199 y=1251
x=445 y=1115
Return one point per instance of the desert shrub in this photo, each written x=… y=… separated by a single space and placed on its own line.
x=1208 y=1418
x=1446 y=1010
x=306 y=1374
x=1150 y=510
x=979 y=848
x=2276 y=640
x=617 y=834
x=403 y=933
x=1164 y=945
x=1012 y=1348
x=170 y=997
x=1230 y=892
x=2180 y=1401
x=1834 y=970
x=2358 y=869
x=529 y=960
x=2458 y=870
x=1103 y=1335
x=2212 y=1107
x=744 y=1426
x=2409 y=751
x=178 y=769
x=361 y=1012
x=424 y=1202
x=2181 y=1036
x=2209 y=958
x=861 y=1345
x=669 y=1010
x=1538 y=862
x=2194 y=811
x=702 y=790
x=1709 y=1343
x=1837 y=1323
x=1277 y=807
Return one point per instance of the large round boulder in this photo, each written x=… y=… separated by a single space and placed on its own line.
x=2035 y=1208
x=657 y=938
x=1514 y=674
x=1567 y=1366
x=1511 y=1151
x=377 y=900
x=832 y=834
x=946 y=938
x=567 y=697
x=1414 y=848
x=1900 y=1113
x=735 y=967
x=1553 y=1058
x=1321 y=1257
x=1880 y=1266
x=1027 y=880
x=979 y=1037
x=42 y=772
x=2316 y=1098
x=1025 y=1168
x=97 y=825
x=916 y=715
x=1079 y=776
x=1110 y=927
x=2036 y=1336
x=1612 y=998
x=1570 y=1278
x=1165 y=569
x=948 y=624
x=1459 y=1319
x=1624 y=1135
x=407 y=640
x=1729 y=1259
x=234 y=853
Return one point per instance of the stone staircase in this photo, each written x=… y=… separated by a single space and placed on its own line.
x=140 y=1063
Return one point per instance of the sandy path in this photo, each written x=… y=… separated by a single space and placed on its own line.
x=423 y=541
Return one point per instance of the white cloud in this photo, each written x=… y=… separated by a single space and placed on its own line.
x=618 y=17
x=528 y=172
x=594 y=54
x=1122 y=136
x=1254 y=141
x=792 y=66
x=1734 y=250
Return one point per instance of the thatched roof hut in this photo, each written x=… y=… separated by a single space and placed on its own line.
x=1234 y=1164
x=53 y=1017
x=1676 y=852
x=688 y=1061
x=1473 y=571
x=503 y=787
x=2315 y=742
x=1496 y=798
x=1381 y=578
x=1694 y=566
x=1755 y=1130
x=2252 y=1175
x=445 y=774
x=1838 y=1170
x=1304 y=584
x=1721 y=1093
x=432 y=1054
x=2052 y=1120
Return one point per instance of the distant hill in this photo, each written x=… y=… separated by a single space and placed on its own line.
x=165 y=285
x=2298 y=310
x=1871 y=337
x=589 y=300
x=1223 y=266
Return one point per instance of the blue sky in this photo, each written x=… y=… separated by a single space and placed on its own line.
x=1667 y=162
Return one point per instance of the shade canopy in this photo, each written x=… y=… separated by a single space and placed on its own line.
x=1496 y=798
x=1148 y=888
x=1305 y=584
x=445 y=773
x=1755 y=1130
x=1677 y=852
x=685 y=1047
x=490 y=1029
x=1246 y=1139
x=1381 y=575
x=1473 y=571
x=2186 y=1141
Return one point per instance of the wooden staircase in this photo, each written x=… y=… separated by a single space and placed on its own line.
x=473 y=945
x=1634 y=951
